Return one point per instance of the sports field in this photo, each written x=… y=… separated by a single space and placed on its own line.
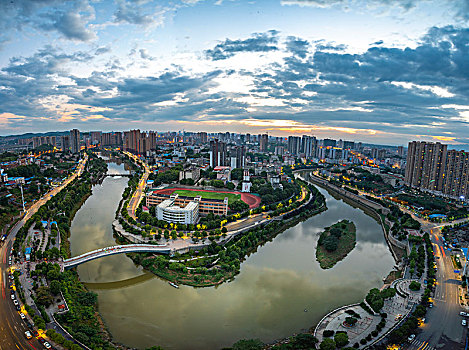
x=209 y=195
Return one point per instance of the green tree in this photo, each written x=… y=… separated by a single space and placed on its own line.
x=248 y=344
x=54 y=287
x=341 y=339
x=327 y=344
x=331 y=243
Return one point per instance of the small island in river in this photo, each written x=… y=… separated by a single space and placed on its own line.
x=335 y=242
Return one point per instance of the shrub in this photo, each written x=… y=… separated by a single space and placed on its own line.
x=341 y=339
x=363 y=341
x=415 y=286
x=328 y=333
x=327 y=344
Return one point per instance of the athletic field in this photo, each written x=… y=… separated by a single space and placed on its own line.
x=209 y=195
x=250 y=199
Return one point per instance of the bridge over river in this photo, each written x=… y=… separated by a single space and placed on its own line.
x=117 y=249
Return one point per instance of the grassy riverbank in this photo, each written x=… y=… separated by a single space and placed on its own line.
x=335 y=243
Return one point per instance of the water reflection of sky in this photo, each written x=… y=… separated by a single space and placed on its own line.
x=266 y=300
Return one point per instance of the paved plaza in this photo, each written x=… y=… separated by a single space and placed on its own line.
x=396 y=308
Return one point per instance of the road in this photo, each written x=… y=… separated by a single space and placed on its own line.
x=443 y=329
x=12 y=328
x=140 y=190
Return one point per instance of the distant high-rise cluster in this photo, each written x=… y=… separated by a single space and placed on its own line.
x=111 y=139
x=44 y=140
x=139 y=142
x=431 y=166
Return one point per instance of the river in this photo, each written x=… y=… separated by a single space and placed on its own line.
x=280 y=290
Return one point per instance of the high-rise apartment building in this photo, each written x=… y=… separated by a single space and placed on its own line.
x=65 y=143
x=400 y=151
x=44 y=140
x=294 y=145
x=425 y=165
x=202 y=136
x=329 y=143
x=456 y=176
x=113 y=139
x=95 y=137
x=139 y=142
x=238 y=156
x=217 y=153
x=75 y=141
x=308 y=146
x=263 y=142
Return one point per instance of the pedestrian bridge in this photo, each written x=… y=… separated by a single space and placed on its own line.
x=117 y=249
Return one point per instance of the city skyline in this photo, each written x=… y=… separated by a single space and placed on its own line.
x=379 y=74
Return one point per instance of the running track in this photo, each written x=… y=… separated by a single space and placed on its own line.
x=251 y=199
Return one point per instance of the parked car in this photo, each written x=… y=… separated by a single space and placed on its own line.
x=28 y=335
x=22 y=316
x=47 y=345
x=464 y=322
x=15 y=302
x=13 y=296
x=411 y=337
x=462 y=313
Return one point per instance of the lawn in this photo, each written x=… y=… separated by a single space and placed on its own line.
x=209 y=195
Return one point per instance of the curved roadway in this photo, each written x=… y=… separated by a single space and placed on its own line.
x=12 y=328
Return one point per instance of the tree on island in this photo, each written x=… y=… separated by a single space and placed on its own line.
x=330 y=243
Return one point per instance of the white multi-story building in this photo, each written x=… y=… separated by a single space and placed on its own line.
x=168 y=211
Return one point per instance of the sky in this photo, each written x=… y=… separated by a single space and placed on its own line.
x=377 y=71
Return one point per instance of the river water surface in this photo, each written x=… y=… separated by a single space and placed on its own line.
x=280 y=290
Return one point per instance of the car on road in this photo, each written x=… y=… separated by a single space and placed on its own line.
x=462 y=313
x=464 y=322
x=15 y=302
x=18 y=308
x=13 y=296
x=411 y=337
x=22 y=316
x=47 y=345
x=28 y=335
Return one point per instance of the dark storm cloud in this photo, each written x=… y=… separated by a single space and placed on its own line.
x=259 y=42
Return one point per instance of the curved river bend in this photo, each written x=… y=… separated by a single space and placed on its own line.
x=280 y=290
